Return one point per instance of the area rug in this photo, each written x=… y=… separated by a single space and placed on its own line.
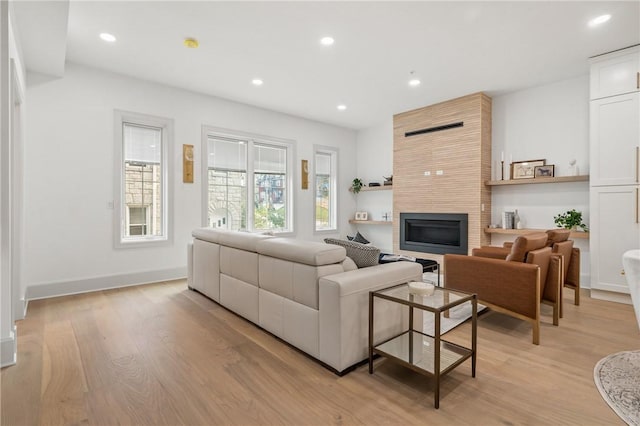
x=617 y=377
x=457 y=315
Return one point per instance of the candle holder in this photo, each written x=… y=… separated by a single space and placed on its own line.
x=502 y=168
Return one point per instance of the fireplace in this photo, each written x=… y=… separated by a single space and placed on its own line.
x=438 y=233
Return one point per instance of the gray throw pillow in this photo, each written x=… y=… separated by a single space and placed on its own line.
x=360 y=239
x=361 y=254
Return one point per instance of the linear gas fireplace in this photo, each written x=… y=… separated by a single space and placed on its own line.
x=438 y=233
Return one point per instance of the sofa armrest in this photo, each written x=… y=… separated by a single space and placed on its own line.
x=344 y=311
x=554 y=279
x=491 y=252
x=373 y=277
x=573 y=275
x=513 y=286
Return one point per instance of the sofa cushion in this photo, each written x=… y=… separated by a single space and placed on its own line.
x=293 y=280
x=362 y=255
x=557 y=236
x=239 y=264
x=348 y=264
x=242 y=240
x=524 y=244
x=236 y=239
x=307 y=252
x=207 y=234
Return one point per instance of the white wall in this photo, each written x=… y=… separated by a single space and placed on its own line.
x=70 y=173
x=11 y=89
x=548 y=122
x=375 y=160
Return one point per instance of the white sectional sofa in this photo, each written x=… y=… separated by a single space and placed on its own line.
x=309 y=294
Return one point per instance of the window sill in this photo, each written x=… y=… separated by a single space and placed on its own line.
x=142 y=242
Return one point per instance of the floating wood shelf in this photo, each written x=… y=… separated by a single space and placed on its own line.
x=374 y=188
x=584 y=235
x=370 y=222
x=559 y=179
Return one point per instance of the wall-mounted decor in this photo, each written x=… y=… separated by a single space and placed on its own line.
x=305 y=174
x=544 y=171
x=525 y=169
x=187 y=163
x=362 y=216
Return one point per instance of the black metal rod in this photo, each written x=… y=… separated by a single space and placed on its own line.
x=434 y=129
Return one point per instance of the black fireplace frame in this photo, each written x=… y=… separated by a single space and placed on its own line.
x=424 y=247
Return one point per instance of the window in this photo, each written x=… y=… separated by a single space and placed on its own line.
x=249 y=182
x=325 y=184
x=138 y=221
x=141 y=209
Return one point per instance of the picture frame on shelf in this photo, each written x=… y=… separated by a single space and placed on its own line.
x=545 y=171
x=362 y=216
x=525 y=169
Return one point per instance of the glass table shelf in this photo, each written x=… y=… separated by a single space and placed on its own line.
x=425 y=354
x=417 y=349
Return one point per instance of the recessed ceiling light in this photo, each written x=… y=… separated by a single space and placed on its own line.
x=599 y=20
x=108 y=37
x=257 y=82
x=414 y=82
x=191 y=43
x=327 y=41
x=152 y=146
x=341 y=107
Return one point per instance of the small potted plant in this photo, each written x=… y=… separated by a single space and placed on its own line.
x=356 y=185
x=572 y=219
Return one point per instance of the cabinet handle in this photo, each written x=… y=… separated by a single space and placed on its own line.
x=638 y=80
x=637 y=201
x=637 y=161
x=622 y=272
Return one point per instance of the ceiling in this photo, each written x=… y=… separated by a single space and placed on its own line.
x=454 y=48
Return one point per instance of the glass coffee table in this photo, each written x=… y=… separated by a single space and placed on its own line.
x=429 y=355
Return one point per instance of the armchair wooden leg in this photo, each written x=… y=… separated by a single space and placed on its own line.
x=536 y=332
x=576 y=300
x=557 y=309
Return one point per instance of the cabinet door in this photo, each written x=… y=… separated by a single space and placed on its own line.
x=615 y=140
x=614 y=229
x=615 y=74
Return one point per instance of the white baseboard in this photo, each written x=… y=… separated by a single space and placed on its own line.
x=65 y=288
x=8 y=349
x=20 y=309
x=611 y=296
x=585 y=281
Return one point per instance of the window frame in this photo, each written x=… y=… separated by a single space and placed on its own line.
x=119 y=205
x=251 y=139
x=334 y=154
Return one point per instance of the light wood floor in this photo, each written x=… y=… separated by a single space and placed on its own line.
x=161 y=354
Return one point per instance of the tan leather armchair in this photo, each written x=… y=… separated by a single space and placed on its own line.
x=561 y=244
x=530 y=274
x=558 y=240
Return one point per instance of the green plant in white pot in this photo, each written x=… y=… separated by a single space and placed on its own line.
x=572 y=219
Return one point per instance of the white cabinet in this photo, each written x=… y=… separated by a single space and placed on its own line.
x=615 y=140
x=615 y=229
x=615 y=73
x=615 y=167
